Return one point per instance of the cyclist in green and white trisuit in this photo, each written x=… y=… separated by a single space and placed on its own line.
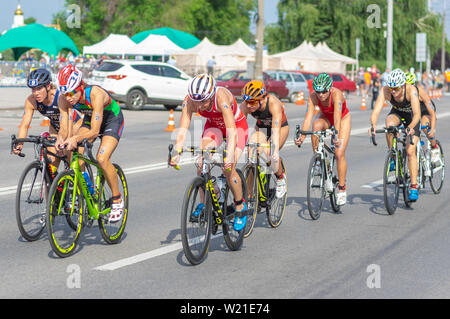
x=102 y=116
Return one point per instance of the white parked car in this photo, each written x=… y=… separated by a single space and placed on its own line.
x=295 y=82
x=137 y=83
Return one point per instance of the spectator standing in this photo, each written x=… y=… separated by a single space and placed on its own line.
x=210 y=65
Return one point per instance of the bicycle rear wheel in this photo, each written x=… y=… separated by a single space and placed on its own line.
x=65 y=203
x=112 y=231
x=233 y=238
x=391 y=180
x=438 y=172
x=251 y=180
x=31 y=200
x=275 y=211
x=315 y=186
x=196 y=228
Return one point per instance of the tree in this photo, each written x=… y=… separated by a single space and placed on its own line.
x=340 y=22
x=222 y=21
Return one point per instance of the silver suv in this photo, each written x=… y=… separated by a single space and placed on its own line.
x=295 y=82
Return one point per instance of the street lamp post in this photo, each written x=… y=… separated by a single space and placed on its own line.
x=258 y=75
x=389 y=45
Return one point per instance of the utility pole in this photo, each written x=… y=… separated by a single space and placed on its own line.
x=443 y=39
x=258 y=75
x=389 y=44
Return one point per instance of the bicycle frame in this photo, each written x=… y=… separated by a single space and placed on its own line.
x=92 y=204
x=255 y=160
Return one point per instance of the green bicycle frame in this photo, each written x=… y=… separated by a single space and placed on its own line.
x=219 y=215
x=92 y=204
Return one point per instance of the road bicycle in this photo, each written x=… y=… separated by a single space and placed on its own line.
x=433 y=170
x=71 y=205
x=206 y=207
x=33 y=185
x=322 y=178
x=261 y=188
x=396 y=174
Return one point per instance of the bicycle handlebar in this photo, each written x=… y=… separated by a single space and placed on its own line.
x=43 y=140
x=392 y=130
x=331 y=131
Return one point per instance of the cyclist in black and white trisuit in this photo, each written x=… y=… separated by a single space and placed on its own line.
x=44 y=98
x=405 y=107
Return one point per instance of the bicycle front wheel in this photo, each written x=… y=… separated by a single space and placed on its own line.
x=315 y=186
x=335 y=181
x=196 y=221
x=233 y=238
x=438 y=172
x=112 y=231
x=251 y=180
x=65 y=203
x=275 y=211
x=31 y=200
x=391 y=187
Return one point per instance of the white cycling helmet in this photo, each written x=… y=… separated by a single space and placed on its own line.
x=201 y=87
x=396 y=78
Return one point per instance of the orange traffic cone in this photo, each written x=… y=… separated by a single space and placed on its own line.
x=300 y=99
x=316 y=109
x=171 y=124
x=45 y=122
x=363 y=103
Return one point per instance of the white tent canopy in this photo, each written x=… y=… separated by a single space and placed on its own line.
x=228 y=57
x=319 y=58
x=114 y=44
x=154 y=45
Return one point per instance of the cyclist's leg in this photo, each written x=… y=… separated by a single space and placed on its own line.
x=392 y=119
x=107 y=147
x=344 y=136
x=412 y=156
x=54 y=164
x=284 y=133
x=320 y=124
x=426 y=119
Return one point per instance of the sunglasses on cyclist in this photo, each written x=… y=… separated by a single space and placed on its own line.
x=70 y=94
x=396 y=89
x=322 y=92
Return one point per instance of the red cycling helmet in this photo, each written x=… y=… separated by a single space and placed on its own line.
x=69 y=78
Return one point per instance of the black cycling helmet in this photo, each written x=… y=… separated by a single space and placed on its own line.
x=38 y=77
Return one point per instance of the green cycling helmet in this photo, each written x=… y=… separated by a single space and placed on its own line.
x=411 y=78
x=322 y=82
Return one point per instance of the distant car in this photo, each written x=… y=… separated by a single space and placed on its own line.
x=236 y=80
x=137 y=83
x=295 y=82
x=341 y=82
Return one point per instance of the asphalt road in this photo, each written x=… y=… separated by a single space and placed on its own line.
x=360 y=253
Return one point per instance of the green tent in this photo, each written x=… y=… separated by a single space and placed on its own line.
x=36 y=36
x=182 y=39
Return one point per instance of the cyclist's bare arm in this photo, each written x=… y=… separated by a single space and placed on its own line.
x=224 y=105
x=187 y=110
x=338 y=99
x=64 y=112
x=383 y=95
x=423 y=95
x=275 y=108
x=312 y=102
x=30 y=105
x=415 y=104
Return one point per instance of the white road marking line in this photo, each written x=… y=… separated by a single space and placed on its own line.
x=144 y=256
x=373 y=184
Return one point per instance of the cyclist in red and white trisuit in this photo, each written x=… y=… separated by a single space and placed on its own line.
x=224 y=119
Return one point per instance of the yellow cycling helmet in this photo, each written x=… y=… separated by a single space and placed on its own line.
x=254 y=91
x=411 y=78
